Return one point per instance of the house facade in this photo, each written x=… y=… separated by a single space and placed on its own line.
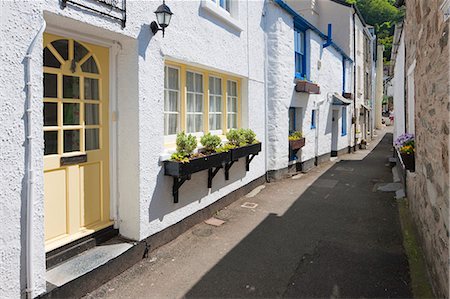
x=358 y=41
x=94 y=100
x=421 y=106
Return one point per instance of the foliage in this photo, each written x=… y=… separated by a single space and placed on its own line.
x=405 y=143
x=297 y=135
x=235 y=138
x=383 y=15
x=225 y=148
x=186 y=144
x=179 y=157
x=210 y=142
x=248 y=136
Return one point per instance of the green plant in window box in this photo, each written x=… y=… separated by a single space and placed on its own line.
x=186 y=145
x=225 y=148
x=297 y=135
x=235 y=138
x=248 y=136
x=210 y=142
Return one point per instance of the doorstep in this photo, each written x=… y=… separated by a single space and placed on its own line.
x=84 y=272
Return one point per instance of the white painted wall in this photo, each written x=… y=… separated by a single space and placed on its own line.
x=398 y=83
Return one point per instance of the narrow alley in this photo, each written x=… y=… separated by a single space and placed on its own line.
x=327 y=233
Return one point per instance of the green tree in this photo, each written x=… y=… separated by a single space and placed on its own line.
x=383 y=15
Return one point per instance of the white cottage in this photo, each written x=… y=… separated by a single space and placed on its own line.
x=308 y=76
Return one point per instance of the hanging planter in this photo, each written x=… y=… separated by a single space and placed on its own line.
x=409 y=161
x=307 y=87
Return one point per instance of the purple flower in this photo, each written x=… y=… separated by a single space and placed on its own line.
x=403 y=140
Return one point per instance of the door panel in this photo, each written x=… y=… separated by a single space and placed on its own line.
x=55 y=203
x=76 y=96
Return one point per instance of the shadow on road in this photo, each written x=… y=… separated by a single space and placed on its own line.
x=341 y=238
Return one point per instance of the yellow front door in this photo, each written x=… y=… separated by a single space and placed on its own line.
x=76 y=154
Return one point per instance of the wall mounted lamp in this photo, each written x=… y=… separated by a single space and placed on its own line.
x=163 y=16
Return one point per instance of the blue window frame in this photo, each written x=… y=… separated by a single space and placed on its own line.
x=344 y=121
x=313 y=119
x=300 y=54
x=225 y=4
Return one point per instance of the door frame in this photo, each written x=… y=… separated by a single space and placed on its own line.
x=335 y=129
x=114 y=49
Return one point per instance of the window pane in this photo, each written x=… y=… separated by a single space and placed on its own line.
x=212 y=104
x=190 y=119
x=218 y=85
x=71 y=114
x=92 y=139
x=91 y=114
x=212 y=86
x=50 y=59
x=71 y=141
x=79 y=51
x=190 y=81
x=173 y=101
x=232 y=121
x=190 y=102
x=172 y=123
x=90 y=66
x=50 y=85
x=218 y=121
x=50 y=114
x=301 y=42
x=173 y=78
x=91 y=90
x=218 y=104
x=71 y=87
x=199 y=103
x=199 y=123
x=198 y=83
x=62 y=46
x=51 y=142
x=231 y=88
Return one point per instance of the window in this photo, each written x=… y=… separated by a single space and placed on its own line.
x=292 y=124
x=300 y=54
x=225 y=4
x=199 y=101
x=171 y=101
x=194 y=102
x=215 y=103
x=344 y=121
x=232 y=105
x=313 y=119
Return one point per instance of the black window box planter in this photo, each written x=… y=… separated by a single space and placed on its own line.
x=245 y=151
x=181 y=172
x=174 y=168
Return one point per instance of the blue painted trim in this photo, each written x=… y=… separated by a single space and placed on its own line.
x=343 y=75
x=301 y=23
x=329 y=36
x=344 y=121
x=306 y=55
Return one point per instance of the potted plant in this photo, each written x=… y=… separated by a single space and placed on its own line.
x=184 y=161
x=405 y=144
x=296 y=140
x=243 y=143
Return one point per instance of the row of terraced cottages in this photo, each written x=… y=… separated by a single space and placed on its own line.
x=94 y=93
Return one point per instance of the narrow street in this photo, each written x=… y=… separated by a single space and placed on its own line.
x=327 y=233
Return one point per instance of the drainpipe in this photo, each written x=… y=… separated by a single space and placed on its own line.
x=29 y=168
x=316 y=148
x=266 y=102
x=329 y=37
x=354 y=80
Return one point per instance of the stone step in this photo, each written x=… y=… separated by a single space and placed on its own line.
x=85 y=272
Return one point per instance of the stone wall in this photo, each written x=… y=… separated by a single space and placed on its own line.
x=426 y=40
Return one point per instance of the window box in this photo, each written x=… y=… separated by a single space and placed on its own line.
x=245 y=151
x=347 y=95
x=408 y=161
x=178 y=169
x=307 y=87
x=297 y=144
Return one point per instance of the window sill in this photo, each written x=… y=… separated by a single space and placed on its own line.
x=221 y=14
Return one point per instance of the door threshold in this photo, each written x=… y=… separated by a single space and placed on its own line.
x=69 y=250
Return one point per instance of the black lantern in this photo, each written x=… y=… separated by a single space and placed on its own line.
x=163 y=15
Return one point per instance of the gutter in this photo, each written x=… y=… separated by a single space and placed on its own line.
x=266 y=100
x=29 y=168
x=354 y=81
